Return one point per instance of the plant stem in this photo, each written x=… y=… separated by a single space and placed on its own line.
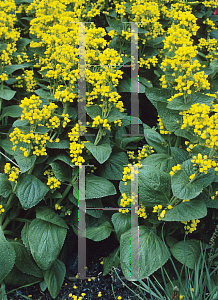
x=31 y=169
x=178 y=141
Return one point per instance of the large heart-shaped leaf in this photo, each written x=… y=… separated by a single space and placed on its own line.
x=152 y=253
x=96 y=187
x=54 y=277
x=7 y=257
x=30 y=190
x=45 y=240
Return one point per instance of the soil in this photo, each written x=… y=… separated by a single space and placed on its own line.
x=104 y=284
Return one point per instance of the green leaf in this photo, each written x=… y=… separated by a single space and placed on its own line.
x=96 y=187
x=25 y=163
x=124 y=86
x=61 y=171
x=63 y=144
x=214 y=34
x=113 y=13
x=20 y=123
x=190 y=249
x=21 y=43
x=24 y=261
x=46 y=241
x=110 y=261
x=145 y=82
x=7 y=94
x=10 y=69
x=183 y=188
x=93 y=111
x=54 y=277
x=123 y=142
x=154 y=95
x=152 y=252
x=44 y=94
x=3 y=47
x=99 y=233
x=178 y=102
x=101 y=152
x=179 y=155
x=117 y=25
x=112 y=169
x=115 y=114
x=13 y=111
x=24 y=235
x=127 y=85
x=190 y=210
x=154 y=187
x=91 y=203
x=121 y=222
x=30 y=190
x=63 y=157
x=188 y=135
x=47 y=214
x=160 y=161
x=5 y=186
x=169 y=117
x=155 y=140
x=18 y=278
x=7 y=257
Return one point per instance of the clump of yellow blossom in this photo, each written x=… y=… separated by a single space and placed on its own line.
x=1 y=209
x=204 y=163
x=174 y=169
x=190 y=225
x=11 y=172
x=52 y=182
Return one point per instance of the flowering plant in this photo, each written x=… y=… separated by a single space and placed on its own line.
x=45 y=140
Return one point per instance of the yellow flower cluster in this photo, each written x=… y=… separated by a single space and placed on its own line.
x=118 y=122
x=1 y=209
x=210 y=3
x=8 y=34
x=125 y=201
x=148 y=14
x=128 y=175
x=148 y=62
x=146 y=150
x=161 y=213
x=204 y=163
x=210 y=23
x=75 y=146
x=174 y=169
x=52 y=182
x=34 y=141
x=3 y=77
x=182 y=15
x=204 y=123
x=58 y=207
x=190 y=146
x=213 y=197
x=33 y=112
x=192 y=226
x=211 y=45
x=130 y=154
x=162 y=128
x=181 y=52
x=141 y=211
x=99 y=121
x=64 y=95
x=30 y=82
x=12 y=172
